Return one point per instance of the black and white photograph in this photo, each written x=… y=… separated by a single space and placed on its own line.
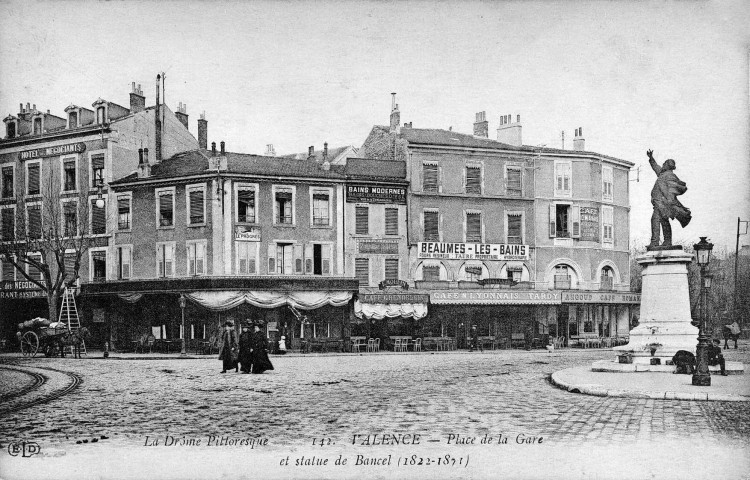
x=374 y=239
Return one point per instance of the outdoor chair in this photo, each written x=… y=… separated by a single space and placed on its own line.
x=377 y=344
x=371 y=345
x=418 y=345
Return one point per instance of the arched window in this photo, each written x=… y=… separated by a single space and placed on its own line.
x=607 y=278
x=562 y=277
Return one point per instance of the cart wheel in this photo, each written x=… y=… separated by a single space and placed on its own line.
x=29 y=344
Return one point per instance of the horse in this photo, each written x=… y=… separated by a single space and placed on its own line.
x=728 y=335
x=74 y=339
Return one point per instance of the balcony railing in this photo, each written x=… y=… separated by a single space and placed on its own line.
x=562 y=282
x=607 y=283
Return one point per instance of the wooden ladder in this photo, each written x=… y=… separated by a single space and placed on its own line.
x=69 y=315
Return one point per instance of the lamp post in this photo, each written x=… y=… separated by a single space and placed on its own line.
x=100 y=188
x=702 y=377
x=182 y=307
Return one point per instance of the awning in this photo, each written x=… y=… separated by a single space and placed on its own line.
x=379 y=311
x=225 y=300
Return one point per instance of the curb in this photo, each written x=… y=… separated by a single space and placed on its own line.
x=601 y=391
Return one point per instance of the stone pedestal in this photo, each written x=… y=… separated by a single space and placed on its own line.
x=665 y=309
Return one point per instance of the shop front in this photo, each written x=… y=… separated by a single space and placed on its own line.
x=19 y=301
x=587 y=315
x=385 y=315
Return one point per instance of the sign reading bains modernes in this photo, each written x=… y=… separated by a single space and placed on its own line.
x=474 y=251
x=375 y=194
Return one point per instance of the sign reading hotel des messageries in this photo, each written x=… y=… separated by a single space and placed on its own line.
x=473 y=251
x=375 y=194
x=52 y=151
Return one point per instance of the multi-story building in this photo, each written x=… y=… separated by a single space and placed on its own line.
x=54 y=169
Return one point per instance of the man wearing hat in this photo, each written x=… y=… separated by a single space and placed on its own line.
x=228 y=349
x=246 y=347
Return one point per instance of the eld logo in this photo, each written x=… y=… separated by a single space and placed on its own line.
x=25 y=449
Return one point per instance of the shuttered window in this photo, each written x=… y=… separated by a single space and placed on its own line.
x=70 y=219
x=283 y=206
x=362 y=218
x=362 y=270
x=123 y=263
x=515 y=229
x=246 y=205
x=7 y=188
x=607 y=224
x=391 y=268
x=70 y=266
x=246 y=253
x=391 y=221
x=8 y=227
x=98 y=219
x=166 y=209
x=431 y=273
x=9 y=271
x=123 y=213
x=165 y=257
x=513 y=186
x=431 y=227
x=99 y=265
x=196 y=258
x=430 y=178
x=562 y=178
x=320 y=209
x=33 y=179
x=97 y=170
x=473 y=228
x=34 y=213
x=607 y=182
x=197 y=206
x=69 y=169
x=32 y=270
x=474 y=180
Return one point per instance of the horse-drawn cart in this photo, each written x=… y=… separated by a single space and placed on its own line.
x=41 y=335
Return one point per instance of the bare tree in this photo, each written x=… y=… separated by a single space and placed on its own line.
x=48 y=239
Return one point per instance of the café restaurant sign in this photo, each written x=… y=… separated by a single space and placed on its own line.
x=473 y=251
x=487 y=297
x=375 y=194
x=52 y=151
x=17 y=290
x=600 y=297
x=393 y=298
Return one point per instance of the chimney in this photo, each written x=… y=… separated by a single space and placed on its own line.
x=222 y=148
x=28 y=107
x=20 y=108
x=325 y=151
x=578 y=140
x=140 y=156
x=144 y=168
x=270 y=151
x=395 y=114
x=481 y=126
x=203 y=132
x=34 y=109
x=508 y=131
x=182 y=115
x=157 y=120
x=137 y=100
x=213 y=149
x=311 y=152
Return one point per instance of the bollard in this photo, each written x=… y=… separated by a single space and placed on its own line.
x=106 y=349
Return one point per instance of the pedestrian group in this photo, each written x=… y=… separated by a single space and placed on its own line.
x=249 y=350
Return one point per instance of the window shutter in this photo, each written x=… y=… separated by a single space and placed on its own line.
x=430 y=178
x=474 y=180
x=125 y=262
x=8 y=228
x=298 y=259
x=69 y=260
x=362 y=218
x=271 y=258
x=196 y=206
x=552 y=215
x=515 y=229
x=191 y=258
x=391 y=268
x=576 y=221
x=33 y=180
x=326 y=260
x=362 y=270
x=308 y=258
x=200 y=256
x=98 y=219
x=252 y=252
x=391 y=221
x=33 y=271
x=431 y=230
x=242 y=254
x=97 y=161
x=473 y=228
x=35 y=221
x=513 y=186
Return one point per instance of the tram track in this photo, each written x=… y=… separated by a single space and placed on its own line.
x=14 y=401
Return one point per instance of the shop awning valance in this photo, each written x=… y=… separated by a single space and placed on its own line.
x=130 y=297
x=219 y=301
x=379 y=311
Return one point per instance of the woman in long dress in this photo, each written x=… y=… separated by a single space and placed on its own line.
x=228 y=348
x=246 y=348
x=261 y=363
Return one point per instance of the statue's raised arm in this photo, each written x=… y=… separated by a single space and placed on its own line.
x=664 y=199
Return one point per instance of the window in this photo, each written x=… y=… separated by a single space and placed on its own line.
x=166 y=207
x=123 y=255
x=37 y=126
x=391 y=221
x=100 y=115
x=8 y=270
x=391 y=268
x=196 y=205
x=515 y=272
x=123 y=212
x=565 y=221
x=431 y=273
x=97 y=170
x=31 y=270
x=318 y=259
x=562 y=277
x=70 y=219
x=32 y=178
x=98 y=265
x=362 y=220
x=165 y=260
x=321 y=208
x=607 y=182
x=72 y=119
x=98 y=219
x=245 y=204
x=473 y=227
x=69 y=175
x=196 y=256
x=431 y=226
x=8 y=226
x=69 y=260
x=10 y=129
x=583 y=313
x=515 y=228
x=283 y=203
x=7 y=187
x=281 y=258
x=34 y=221
x=607 y=224
x=513 y=187
x=362 y=270
x=474 y=180
x=247 y=255
x=607 y=278
x=430 y=178
x=563 y=178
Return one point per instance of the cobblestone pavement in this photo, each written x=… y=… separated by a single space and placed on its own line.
x=335 y=396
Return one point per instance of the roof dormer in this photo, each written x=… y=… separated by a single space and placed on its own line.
x=11 y=126
x=78 y=116
x=100 y=110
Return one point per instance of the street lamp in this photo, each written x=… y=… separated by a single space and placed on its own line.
x=182 y=307
x=99 y=187
x=702 y=377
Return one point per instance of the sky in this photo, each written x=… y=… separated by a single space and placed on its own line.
x=667 y=76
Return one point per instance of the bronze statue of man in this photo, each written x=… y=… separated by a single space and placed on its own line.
x=664 y=199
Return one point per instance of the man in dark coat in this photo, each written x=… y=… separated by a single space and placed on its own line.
x=228 y=347
x=715 y=357
x=261 y=363
x=664 y=199
x=246 y=348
